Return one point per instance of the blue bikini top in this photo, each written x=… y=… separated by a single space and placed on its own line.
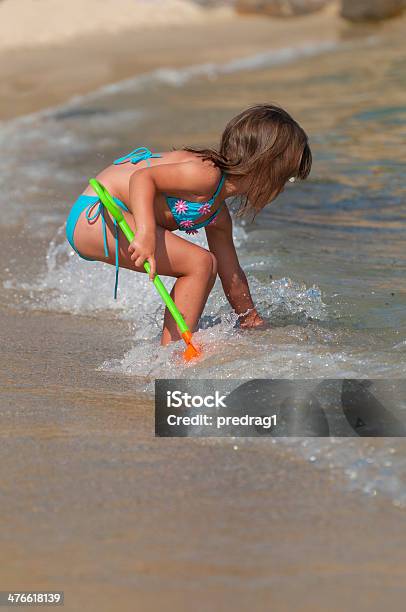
x=185 y=213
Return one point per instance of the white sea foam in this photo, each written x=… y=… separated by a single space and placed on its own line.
x=73 y=285
x=377 y=468
x=297 y=345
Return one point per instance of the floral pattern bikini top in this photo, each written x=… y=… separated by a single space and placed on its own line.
x=185 y=213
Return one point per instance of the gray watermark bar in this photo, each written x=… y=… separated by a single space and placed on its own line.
x=280 y=408
x=31 y=598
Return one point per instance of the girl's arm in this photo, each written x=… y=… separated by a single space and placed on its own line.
x=142 y=190
x=233 y=279
x=165 y=178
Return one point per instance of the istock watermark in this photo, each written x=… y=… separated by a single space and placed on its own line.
x=278 y=407
x=177 y=399
x=221 y=422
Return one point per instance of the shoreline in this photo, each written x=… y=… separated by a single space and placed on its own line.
x=41 y=76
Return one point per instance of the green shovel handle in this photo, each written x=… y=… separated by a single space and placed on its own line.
x=107 y=201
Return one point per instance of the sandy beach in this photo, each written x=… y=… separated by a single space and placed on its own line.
x=38 y=71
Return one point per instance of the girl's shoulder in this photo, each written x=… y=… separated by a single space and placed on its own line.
x=204 y=173
x=195 y=164
x=188 y=173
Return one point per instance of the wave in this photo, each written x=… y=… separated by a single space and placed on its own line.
x=177 y=77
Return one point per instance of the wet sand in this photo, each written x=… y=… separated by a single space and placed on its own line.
x=42 y=76
x=96 y=506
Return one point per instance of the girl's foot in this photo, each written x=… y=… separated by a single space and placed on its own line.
x=253 y=321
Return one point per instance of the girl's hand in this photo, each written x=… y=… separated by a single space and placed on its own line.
x=142 y=249
x=252 y=320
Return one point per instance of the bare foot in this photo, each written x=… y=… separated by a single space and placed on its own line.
x=253 y=321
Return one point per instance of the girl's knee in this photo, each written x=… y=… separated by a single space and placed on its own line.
x=206 y=265
x=214 y=265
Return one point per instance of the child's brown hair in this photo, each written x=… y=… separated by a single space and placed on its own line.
x=265 y=143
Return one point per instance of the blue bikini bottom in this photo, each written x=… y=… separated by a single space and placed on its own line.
x=88 y=202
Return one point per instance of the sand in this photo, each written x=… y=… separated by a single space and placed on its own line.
x=42 y=22
x=47 y=68
x=96 y=506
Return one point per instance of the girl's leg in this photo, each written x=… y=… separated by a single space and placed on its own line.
x=191 y=290
x=194 y=267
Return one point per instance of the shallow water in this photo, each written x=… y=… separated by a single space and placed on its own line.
x=325 y=262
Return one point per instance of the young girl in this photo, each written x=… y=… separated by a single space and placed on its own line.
x=260 y=150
